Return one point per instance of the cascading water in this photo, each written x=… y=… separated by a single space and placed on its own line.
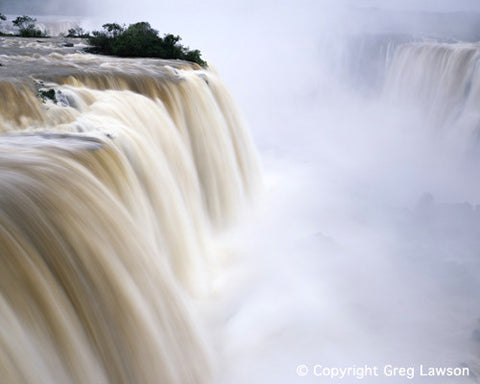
x=363 y=250
x=113 y=190
x=442 y=81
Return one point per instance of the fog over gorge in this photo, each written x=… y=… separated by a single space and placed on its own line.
x=304 y=210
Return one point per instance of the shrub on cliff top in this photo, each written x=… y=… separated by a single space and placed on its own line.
x=26 y=26
x=77 y=32
x=140 y=40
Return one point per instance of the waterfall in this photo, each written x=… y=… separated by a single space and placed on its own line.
x=440 y=80
x=113 y=190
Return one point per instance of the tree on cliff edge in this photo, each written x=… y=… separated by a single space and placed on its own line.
x=141 y=40
x=26 y=26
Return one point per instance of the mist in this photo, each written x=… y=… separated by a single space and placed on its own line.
x=48 y=7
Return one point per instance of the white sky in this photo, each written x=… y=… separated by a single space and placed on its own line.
x=95 y=6
x=424 y=5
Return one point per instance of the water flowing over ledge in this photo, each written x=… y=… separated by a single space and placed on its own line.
x=112 y=192
x=441 y=79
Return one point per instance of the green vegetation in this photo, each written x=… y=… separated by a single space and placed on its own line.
x=26 y=26
x=47 y=95
x=2 y=18
x=77 y=32
x=136 y=40
x=140 y=40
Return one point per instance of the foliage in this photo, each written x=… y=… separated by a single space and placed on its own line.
x=77 y=32
x=47 y=95
x=2 y=18
x=114 y=29
x=26 y=26
x=140 y=40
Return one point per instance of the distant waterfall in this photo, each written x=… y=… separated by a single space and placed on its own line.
x=111 y=194
x=440 y=79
